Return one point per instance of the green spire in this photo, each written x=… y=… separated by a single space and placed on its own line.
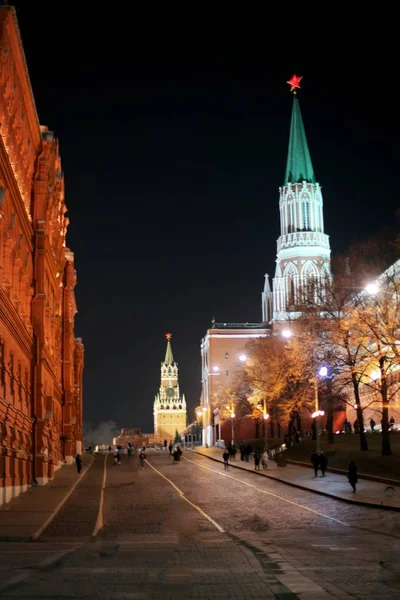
x=299 y=166
x=169 y=359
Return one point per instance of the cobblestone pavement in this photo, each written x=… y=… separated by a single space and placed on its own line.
x=215 y=535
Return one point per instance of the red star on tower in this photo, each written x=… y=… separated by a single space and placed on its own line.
x=294 y=83
x=168 y=336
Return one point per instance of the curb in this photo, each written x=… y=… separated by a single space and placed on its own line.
x=34 y=536
x=386 y=480
x=307 y=489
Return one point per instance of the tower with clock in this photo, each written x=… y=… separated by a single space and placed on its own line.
x=169 y=406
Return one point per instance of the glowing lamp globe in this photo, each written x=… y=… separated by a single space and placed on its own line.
x=243 y=358
x=215 y=368
x=372 y=288
x=286 y=333
x=323 y=372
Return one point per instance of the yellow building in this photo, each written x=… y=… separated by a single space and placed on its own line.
x=169 y=406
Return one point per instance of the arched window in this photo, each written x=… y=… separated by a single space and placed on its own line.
x=162 y=406
x=306 y=213
x=180 y=407
x=174 y=407
x=167 y=407
x=290 y=291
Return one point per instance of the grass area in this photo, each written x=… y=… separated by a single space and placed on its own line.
x=347 y=447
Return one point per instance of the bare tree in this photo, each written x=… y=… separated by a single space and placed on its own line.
x=377 y=324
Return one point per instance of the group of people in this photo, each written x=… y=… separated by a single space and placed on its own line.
x=319 y=461
x=356 y=425
x=258 y=457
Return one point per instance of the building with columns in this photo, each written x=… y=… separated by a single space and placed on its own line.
x=169 y=406
x=41 y=361
x=303 y=256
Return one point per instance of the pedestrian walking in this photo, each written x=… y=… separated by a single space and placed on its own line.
x=315 y=462
x=372 y=425
x=170 y=448
x=264 y=460
x=257 y=459
x=78 y=460
x=241 y=449
x=142 y=458
x=323 y=462
x=225 y=456
x=352 y=475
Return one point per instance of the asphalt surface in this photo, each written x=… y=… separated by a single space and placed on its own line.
x=203 y=533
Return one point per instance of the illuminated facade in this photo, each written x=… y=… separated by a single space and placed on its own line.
x=41 y=362
x=222 y=351
x=303 y=250
x=169 y=406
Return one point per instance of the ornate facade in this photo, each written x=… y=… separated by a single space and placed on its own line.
x=303 y=250
x=169 y=406
x=41 y=362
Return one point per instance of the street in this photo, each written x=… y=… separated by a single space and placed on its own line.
x=193 y=530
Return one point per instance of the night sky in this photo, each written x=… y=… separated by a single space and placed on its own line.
x=172 y=160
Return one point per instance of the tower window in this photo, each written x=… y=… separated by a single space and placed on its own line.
x=226 y=354
x=306 y=215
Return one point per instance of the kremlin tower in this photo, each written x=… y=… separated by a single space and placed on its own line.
x=303 y=251
x=169 y=406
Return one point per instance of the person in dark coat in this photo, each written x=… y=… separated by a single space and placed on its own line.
x=315 y=462
x=257 y=459
x=241 y=448
x=352 y=475
x=323 y=462
x=78 y=461
x=225 y=456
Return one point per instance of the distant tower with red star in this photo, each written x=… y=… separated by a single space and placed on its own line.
x=303 y=250
x=169 y=406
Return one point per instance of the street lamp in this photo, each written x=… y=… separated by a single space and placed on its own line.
x=231 y=408
x=242 y=357
x=201 y=414
x=372 y=288
x=323 y=372
x=265 y=417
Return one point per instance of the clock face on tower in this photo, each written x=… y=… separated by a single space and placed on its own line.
x=170 y=391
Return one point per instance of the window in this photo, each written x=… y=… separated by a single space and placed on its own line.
x=19 y=381
x=227 y=373
x=12 y=374
x=2 y=365
x=306 y=216
x=226 y=354
x=26 y=387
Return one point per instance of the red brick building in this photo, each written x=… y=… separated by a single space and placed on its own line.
x=41 y=362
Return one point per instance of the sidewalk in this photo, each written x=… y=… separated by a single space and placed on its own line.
x=24 y=518
x=369 y=493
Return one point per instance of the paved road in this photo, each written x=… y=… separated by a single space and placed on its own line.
x=191 y=530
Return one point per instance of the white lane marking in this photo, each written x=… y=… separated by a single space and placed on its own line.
x=182 y=495
x=99 y=522
x=39 y=532
x=14 y=580
x=25 y=574
x=268 y=493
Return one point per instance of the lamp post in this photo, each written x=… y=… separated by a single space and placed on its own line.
x=265 y=417
x=231 y=408
x=323 y=372
x=201 y=414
